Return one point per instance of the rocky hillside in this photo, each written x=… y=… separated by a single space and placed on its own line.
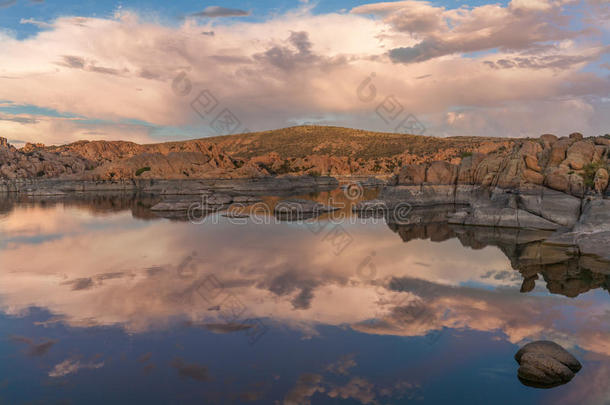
x=300 y=150
x=547 y=184
x=569 y=164
x=36 y=161
x=572 y=165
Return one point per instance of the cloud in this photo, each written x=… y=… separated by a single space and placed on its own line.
x=7 y=3
x=35 y=349
x=226 y=327
x=81 y=283
x=18 y=119
x=191 y=371
x=357 y=388
x=435 y=307
x=302 y=65
x=287 y=283
x=41 y=349
x=71 y=366
x=145 y=357
x=440 y=31
x=307 y=385
x=217 y=11
x=77 y=62
x=267 y=279
x=343 y=365
x=556 y=61
x=59 y=130
x=286 y=58
x=38 y=23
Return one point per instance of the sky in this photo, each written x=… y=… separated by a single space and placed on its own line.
x=152 y=71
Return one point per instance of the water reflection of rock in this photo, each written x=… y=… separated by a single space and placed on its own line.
x=545 y=364
x=96 y=203
x=564 y=270
x=426 y=223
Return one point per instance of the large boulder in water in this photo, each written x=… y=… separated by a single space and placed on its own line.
x=545 y=364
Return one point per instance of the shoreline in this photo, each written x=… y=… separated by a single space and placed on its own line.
x=48 y=187
x=582 y=223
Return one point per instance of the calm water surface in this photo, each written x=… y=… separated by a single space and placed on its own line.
x=102 y=301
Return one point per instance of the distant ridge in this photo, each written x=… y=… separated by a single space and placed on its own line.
x=299 y=150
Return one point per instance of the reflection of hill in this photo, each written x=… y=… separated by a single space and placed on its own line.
x=564 y=270
x=96 y=203
x=5 y=207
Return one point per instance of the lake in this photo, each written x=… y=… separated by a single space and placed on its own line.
x=103 y=301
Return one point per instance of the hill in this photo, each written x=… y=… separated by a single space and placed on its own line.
x=313 y=150
x=302 y=141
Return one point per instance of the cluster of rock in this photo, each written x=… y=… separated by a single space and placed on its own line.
x=33 y=161
x=572 y=165
x=552 y=184
x=119 y=160
x=172 y=160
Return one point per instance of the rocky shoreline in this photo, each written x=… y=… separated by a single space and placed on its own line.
x=546 y=184
x=559 y=185
x=254 y=186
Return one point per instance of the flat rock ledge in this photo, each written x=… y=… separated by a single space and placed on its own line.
x=545 y=364
x=209 y=201
x=299 y=206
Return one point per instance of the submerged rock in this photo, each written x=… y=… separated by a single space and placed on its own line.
x=545 y=364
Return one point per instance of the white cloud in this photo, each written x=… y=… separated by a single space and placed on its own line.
x=72 y=366
x=39 y=24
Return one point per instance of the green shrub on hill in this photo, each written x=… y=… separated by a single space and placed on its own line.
x=142 y=170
